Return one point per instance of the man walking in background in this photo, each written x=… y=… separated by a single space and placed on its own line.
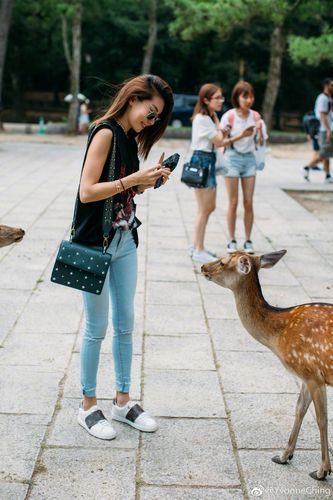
x=324 y=112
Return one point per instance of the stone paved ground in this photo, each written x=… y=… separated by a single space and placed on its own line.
x=224 y=403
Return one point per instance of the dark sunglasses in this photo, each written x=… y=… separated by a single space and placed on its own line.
x=152 y=115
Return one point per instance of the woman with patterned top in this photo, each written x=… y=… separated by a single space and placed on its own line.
x=136 y=119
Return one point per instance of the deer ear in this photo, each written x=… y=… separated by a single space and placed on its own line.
x=270 y=259
x=244 y=265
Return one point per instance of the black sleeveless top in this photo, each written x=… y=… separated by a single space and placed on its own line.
x=89 y=216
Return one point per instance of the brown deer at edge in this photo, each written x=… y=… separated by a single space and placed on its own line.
x=9 y=235
x=301 y=337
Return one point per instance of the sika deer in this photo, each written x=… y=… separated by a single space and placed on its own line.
x=301 y=336
x=9 y=235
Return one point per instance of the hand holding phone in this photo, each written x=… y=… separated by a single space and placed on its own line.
x=171 y=163
x=248 y=131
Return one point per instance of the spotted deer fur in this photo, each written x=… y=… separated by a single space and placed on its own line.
x=301 y=336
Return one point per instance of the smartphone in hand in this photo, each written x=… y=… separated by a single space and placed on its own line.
x=171 y=163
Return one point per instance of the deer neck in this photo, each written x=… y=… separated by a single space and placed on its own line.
x=257 y=316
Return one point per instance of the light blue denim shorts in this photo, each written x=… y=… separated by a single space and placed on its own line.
x=207 y=160
x=239 y=164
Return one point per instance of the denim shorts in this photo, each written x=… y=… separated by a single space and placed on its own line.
x=206 y=159
x=239 y=164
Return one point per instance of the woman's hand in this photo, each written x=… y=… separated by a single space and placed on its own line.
x=226 y=130
x=147 y=177
x=248 y=131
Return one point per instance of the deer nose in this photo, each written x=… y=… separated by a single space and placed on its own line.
x=205 y=272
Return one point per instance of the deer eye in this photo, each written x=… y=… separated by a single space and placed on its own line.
x=221 y=263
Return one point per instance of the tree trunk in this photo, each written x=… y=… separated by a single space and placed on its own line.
x=278 y=44
x=5 y=17
x=75 y=67
x=150 y=45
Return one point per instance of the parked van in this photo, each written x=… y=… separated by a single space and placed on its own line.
x=183 y=110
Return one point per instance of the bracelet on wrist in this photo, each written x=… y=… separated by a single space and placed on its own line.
x=122 y=184
x=118 y=187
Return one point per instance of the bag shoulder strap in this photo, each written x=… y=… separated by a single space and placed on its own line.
x=256 y=116
x=231 y=117
x=108 y=202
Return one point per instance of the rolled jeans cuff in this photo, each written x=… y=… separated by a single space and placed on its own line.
x=123 y=387
x=90 y=393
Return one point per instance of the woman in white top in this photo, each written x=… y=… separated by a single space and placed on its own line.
x=239 y=160
x=206 y=135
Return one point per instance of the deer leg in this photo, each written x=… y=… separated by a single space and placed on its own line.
x=302 y=405
x=320 y=403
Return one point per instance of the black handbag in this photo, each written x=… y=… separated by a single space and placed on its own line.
x=80 y=266
x=194 y=175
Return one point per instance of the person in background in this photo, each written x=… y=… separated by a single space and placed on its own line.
x=323 y=146
x=239 y=160
x=84 y=117
x=206 y=136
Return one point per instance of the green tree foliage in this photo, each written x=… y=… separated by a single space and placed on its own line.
x=222 y=17
x=311 y=50
x=115 y=33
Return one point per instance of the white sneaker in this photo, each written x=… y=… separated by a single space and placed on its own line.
x=203 y=256
x=232 y=246
x=94 y=422
x=328 y=179
x=191 y=249
x=132 y=414
x=248 y=247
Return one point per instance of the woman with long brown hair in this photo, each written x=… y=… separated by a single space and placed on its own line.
x=206 y=136
x=136 y=119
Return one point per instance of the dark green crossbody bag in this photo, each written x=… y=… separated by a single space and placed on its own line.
x=83 y=267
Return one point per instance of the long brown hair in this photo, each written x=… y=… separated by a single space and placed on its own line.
x=206 y=92
x=143 y=87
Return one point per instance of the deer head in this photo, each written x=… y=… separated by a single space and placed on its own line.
x=232 y=270
x=9 y=235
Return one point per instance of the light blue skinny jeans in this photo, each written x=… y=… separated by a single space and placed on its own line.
x=120 y=284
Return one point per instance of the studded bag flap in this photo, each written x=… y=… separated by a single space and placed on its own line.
x=80 y=267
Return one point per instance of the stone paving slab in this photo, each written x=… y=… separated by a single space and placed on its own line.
x=20 y=445
x=230 y=335
x=165 y=294
x=12 y=303
x=13 y=491
x=163 y=319
x=189 y=452
x=49 y=353
x=183 y=493
x=277 y=482
x=268 y=420
x=76 y=472
x=190 y=352
x=254 y=372
x=53 y=321
x=28 y=389
x=183 y=393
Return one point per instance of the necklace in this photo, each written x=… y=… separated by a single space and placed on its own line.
x=122 y=127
